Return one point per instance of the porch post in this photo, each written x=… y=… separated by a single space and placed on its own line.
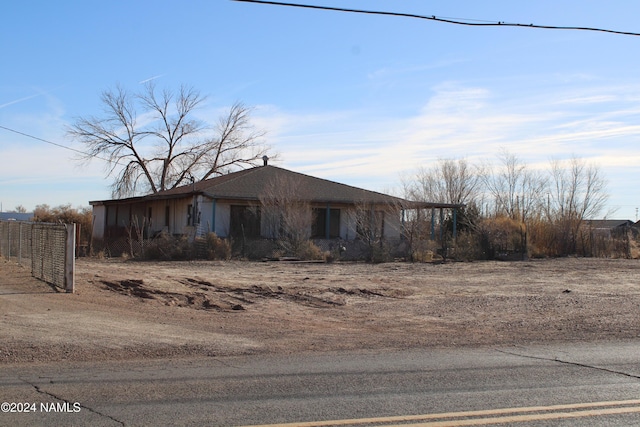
x=433 y=223
x=455 y=223
x=213 y=215
x=327 y=223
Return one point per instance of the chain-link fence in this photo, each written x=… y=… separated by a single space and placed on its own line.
x=47 y=249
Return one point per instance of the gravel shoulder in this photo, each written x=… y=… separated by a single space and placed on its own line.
x=137 y=310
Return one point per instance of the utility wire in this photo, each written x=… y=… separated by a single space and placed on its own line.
x=55 y=143
x=457 y=21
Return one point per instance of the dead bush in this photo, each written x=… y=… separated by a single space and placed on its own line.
x=217 y=248
x=425 y=250
x=467 y=247
x=501 y=236
x=309 y=251
x=169 y=248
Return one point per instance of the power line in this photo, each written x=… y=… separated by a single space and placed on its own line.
x=55 y=143
x=457 y=21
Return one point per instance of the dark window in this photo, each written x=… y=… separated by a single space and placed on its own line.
x=190 y=215
x=149 y=216
x=166 y=216
x=371 y=225
x=245 y=221
x=319 y=228
x=112 y=215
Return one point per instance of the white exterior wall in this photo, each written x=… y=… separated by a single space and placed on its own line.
x=205 y=206
x=99 y=221
x=348 y=226
x=214 y=216
x=179 y=223
x=177 y=215
x=157 y=217
x=223 y=219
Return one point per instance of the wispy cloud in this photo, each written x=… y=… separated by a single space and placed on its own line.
x=456 y=121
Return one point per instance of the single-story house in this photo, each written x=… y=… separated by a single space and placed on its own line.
x=233 y=205
x=611 y=227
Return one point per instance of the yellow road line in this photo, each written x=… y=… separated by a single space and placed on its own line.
x=482 y=413
x=524 y=418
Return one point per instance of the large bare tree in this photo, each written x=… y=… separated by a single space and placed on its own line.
x=517 y=190
x=448 y=181
x=577 y=192
x=154 y=141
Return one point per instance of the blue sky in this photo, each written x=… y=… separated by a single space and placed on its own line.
x=358 y=99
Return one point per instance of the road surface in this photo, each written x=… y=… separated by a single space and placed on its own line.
x=571 y=384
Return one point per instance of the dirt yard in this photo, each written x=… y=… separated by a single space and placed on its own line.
x=133 y=309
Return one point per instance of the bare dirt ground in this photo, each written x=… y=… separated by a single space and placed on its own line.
x=124 y=310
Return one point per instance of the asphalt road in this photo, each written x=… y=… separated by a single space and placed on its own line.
x=572 y=384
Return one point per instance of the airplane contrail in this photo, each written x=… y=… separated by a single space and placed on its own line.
x=41 y=93
x=151 y=78
x=18 y=100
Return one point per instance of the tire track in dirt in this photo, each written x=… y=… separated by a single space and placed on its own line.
x=211 y=296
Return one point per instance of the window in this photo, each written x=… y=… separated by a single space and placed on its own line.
x=319 y=228
x=166 y=216
x=112 y=215
x=370 y=225
x=245 y=221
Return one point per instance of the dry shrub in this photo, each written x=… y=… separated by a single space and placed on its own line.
x=328 y=256
x=168 y=248
x=501 y=235
x=467 y=247
x=307 y=250
x=381 y=252
x=217 y=248
x=425 y=251
x=82 y=216
x=634 y=248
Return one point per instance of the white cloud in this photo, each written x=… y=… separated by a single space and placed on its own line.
x=366 y=148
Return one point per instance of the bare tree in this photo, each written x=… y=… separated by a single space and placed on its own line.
x=577 y=192
x=287 y=216
x=452 y=181
x=449 y=181
x=517 y=190
x=372 y=222
x=153 y=141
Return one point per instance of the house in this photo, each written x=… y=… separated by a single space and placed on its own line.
x=236 y=205
x=610 y=227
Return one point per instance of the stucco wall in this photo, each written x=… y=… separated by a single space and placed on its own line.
x=99 y=219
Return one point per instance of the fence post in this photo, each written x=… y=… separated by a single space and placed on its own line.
x=70 y=257
x=20 y=243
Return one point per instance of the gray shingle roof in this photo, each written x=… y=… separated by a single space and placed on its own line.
x=251 y=184
x=609 y=223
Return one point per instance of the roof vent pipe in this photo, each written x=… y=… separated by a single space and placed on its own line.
x=265 y=159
